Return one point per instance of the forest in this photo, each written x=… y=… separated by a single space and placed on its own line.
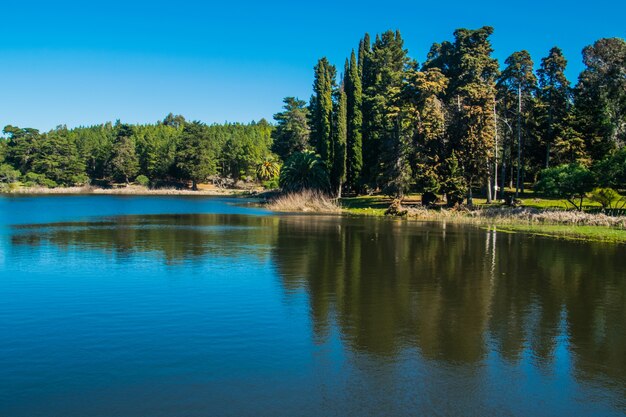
x=457 y=124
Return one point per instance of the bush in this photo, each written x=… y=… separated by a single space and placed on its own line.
x=570 y=182
x=605 y=196
x=33 y=179
x=304 y=171
x=142 y=180
x=271 y=184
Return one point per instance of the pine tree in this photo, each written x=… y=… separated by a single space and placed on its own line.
x=385 y=69
x=518 y=80
x=553 y=115
x=292 y=131
x=124 y=164
x=600 y=97
x=354 y=97
x=471 y=94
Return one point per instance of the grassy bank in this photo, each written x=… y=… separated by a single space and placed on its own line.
x=533 y=217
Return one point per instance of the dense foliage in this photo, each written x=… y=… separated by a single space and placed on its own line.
x=459 y=122
x=456 y=124
x=172 y=151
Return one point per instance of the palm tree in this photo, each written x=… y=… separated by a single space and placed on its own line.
x=304 y=171
x=268 y=169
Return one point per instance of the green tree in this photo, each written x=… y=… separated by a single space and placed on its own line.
x=196 y=158
x=22 y=147
x=386 y=153
x=58 y=159
x=292 y=131
x=354 y=97
x=600 y=97
x=340 y=134
x=124 y=164
x=554 y=111
x=322 y=110
x=571 y=182
x=304 y=171
x=518 y=80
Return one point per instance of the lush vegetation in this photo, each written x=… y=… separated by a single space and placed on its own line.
x=172 y=151
x=458 y=123
x=455 y=125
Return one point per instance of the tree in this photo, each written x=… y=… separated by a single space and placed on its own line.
x=22 y=147
x=58 y=159
x=600 y=97
x=386 y=153
x=124 y=164
x=611 y=171
x=554 y=111
x=354 y=97
x=424 y=91
x=518 y=79
x=268 y=169
x=322 y=110
x=453 y=184
x=571 y=182
x=304 y=171
x=340 y=134
x=471 y=94
x=196 y=158
x=174 y=121
x=292 y=131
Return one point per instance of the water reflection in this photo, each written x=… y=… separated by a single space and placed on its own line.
x=457 y=295
x=174 y=237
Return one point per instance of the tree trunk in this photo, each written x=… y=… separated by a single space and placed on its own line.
x=194 y=185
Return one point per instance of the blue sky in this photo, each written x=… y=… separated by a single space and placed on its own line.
x=83 y=63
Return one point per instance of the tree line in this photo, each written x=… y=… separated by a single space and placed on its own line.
x=457 y=122
x=172 y=151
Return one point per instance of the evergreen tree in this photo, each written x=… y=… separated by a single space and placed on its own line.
x=322 y=110
x=354 y=97
x=124 y=164
x=292 y=129
x=600 y=97
x=387 y=140
x=471 y=94
x=340 y=135
x=196 y=157
x=518 y=80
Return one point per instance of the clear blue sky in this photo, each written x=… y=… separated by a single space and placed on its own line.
x=86 y=62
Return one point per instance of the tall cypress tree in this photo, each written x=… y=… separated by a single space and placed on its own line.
x=340 y=135
x=354 y=99
x=322 y=109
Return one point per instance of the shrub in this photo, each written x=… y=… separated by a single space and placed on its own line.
x=605 y=196
x=8 y=175
x=570 y=182
x=142 y=180
x=33 y=179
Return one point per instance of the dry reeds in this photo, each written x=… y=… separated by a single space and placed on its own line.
x=304 y=201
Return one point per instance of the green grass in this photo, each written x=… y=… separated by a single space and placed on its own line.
x=376 y=205
x=589 y=233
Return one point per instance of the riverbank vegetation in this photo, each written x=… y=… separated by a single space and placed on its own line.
x=459 y=129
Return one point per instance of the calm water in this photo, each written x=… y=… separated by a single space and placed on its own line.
x=170 y=306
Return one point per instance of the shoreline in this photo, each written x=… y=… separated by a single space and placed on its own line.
x=129 y=190
x=568 y=225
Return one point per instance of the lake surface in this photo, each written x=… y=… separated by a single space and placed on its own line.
x=172 y=306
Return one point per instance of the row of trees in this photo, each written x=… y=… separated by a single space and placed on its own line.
x=172 y=150
x=457 y=122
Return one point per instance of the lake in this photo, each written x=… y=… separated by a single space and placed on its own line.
x=191 y=306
